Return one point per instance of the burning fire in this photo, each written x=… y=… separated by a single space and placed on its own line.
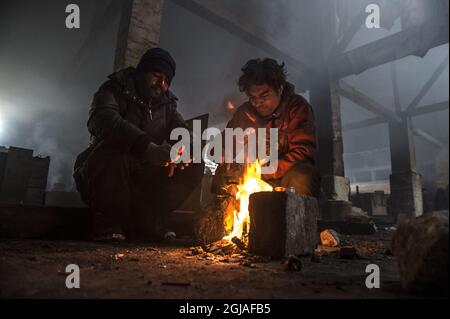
x=252 y=183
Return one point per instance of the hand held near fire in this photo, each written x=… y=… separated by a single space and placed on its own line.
x=158 y=154
x=176 y=160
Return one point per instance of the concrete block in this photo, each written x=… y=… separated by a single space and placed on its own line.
x=282 y=224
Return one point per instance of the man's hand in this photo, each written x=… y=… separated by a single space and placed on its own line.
x=158 y=154
x=172 y=165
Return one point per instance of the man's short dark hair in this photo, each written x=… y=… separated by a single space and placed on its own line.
x=259 y=72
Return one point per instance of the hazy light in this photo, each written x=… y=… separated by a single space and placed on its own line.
x=1 y=124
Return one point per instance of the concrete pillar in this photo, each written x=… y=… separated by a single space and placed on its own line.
x=406 y=184
x=326 y=103
x=139 y=30
x=327 y=107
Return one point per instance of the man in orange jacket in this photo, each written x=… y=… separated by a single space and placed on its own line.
x=273 y=103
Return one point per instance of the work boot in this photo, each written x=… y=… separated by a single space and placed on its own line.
x=103 y=230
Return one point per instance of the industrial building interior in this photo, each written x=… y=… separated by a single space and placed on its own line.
x=380 y=99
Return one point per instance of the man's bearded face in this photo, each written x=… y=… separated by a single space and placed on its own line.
x=157 y=83
x=264 y=98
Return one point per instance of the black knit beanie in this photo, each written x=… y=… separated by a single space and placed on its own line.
x=158 y=60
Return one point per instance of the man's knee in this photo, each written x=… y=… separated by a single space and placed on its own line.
x=305 y=178
x=104 y=170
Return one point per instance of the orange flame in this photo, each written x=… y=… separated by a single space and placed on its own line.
x=252 y=183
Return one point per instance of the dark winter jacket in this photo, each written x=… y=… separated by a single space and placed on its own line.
x=121 y=119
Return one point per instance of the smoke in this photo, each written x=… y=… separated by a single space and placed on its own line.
x=40 y=108
x=45 y=94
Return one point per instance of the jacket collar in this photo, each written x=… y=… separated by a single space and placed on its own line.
x=289 y=90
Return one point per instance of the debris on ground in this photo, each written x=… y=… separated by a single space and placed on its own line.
x=329 y=237
x=294 y=263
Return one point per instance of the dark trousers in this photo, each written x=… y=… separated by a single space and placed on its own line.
x=134 y=196
x=305 y=178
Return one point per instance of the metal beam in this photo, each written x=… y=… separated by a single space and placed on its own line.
x=366 y=102
x=397 y=104
x=427 y=109
x=436 y=74
x=413 y=41
x=427 y=137
x=363 y=124
x=210 y=11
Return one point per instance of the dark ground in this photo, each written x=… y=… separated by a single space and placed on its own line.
x=36 y=269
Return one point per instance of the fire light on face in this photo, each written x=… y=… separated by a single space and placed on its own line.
x=251 y=183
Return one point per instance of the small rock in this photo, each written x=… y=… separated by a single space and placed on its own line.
x=294 y=263
x=170 y=236
x=118 y=256
x=246 y=263
x=330 y=238
x=197 y=251
x=421 y=246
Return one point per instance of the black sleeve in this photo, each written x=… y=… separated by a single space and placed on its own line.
x=106 y=121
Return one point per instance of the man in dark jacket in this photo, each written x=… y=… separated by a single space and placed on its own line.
x=120 y=176
x=273 y=104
